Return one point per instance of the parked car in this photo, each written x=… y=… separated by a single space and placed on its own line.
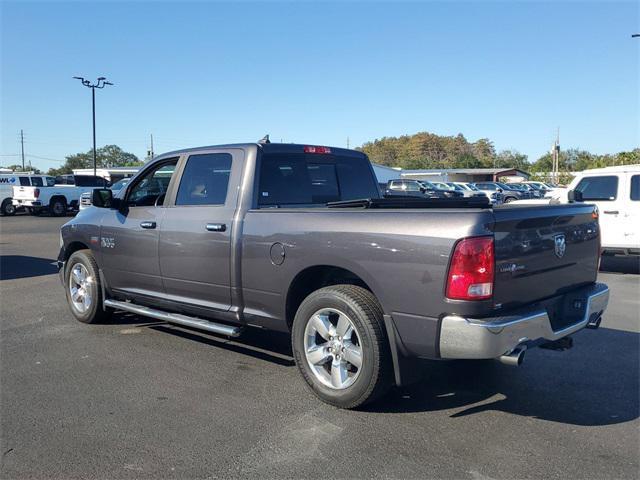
x=85 y=197
x=9 y=180
x=295 y=238
x=495 y=196
x=466 y=192
x=57 y=199
x=508 y=194
x=418 y=188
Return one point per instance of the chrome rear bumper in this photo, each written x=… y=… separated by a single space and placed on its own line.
x=468 y=338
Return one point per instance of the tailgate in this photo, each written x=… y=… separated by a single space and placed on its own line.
x=542 y=251
x=24 y=193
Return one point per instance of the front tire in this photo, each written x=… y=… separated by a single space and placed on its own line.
x=8 y=208
x=340 y=346
x=83 y=288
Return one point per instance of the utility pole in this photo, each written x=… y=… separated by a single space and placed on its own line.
x=555 y=175
x=101 y=83
x=347 y=142
x=150 y=151
x=22 y=147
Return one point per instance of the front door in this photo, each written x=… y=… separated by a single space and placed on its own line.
x=195 y=237
x=129 y=236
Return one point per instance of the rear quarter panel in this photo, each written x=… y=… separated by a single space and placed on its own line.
x=402 y=255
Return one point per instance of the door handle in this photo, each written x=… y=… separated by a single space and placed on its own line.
x=148 y=224
x=216 y=227
x=611 y=212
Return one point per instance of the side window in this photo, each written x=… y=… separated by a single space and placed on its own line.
x=205 y=180
x=598 y=188
x=24 y=181
x=51 y=181
x=152 y=187
x=37 y=182
x=635 y=187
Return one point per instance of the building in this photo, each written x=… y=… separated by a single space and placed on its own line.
x=112 y=174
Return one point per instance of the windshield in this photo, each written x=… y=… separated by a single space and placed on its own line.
x=116 y=187
x=535 y=186
x=456 y=186
x=471 y=186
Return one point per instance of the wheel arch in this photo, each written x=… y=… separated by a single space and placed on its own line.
x=313 y=278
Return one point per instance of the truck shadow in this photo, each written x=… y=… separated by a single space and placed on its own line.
x=595 y=383
x=618 y=264
x=22 y=266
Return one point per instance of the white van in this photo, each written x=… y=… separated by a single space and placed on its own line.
x=10 y=180
x=616 y=192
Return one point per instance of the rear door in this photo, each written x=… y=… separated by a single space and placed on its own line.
x=607 y=191
x=195 y=237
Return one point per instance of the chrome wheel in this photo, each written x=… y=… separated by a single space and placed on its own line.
x=80 y=287
x=332 y=348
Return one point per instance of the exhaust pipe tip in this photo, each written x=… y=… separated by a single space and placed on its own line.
x=515 y=358
x=595 y=323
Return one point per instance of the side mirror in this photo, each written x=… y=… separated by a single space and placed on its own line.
x=102 y=198
x=574 y=196
x=500 y=190
x=423 y=190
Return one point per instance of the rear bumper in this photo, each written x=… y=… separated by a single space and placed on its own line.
x=26 y=203
x=468 y=338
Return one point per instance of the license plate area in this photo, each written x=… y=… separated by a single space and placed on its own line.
x=566 y=311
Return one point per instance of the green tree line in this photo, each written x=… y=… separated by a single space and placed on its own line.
x=426 y=150
x=106 y=157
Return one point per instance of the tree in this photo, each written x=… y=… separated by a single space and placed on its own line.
x=27 y=168
x=106 y=157
x=512 y=159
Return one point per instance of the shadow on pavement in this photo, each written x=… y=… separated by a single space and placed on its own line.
x=21 y=266
x=263 y=344
x=619 y=264
x=595 y=383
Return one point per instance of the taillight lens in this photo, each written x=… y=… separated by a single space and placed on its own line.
x=471 y=269
x=36 y=192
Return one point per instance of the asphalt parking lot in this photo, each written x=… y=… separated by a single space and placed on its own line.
x=141 y=399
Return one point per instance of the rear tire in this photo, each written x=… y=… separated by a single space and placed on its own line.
x=83 y=288
x=8 y=208
x=58 y=207
x=346 y=370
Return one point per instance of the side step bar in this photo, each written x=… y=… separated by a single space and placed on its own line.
x=176 y=318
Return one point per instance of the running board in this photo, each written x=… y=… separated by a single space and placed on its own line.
x=176 y=318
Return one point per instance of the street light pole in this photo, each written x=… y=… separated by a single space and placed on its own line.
x=101 y=83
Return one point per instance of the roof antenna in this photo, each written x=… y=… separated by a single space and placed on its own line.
x=264 y=139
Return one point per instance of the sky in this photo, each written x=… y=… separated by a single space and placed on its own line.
x=205 y=73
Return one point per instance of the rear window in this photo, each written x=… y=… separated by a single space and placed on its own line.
x=604 y=188
x=298 y=179
x=635 y=187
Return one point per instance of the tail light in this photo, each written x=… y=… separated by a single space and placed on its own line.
x=36 y=193
x=312 y=149
x=471 y=269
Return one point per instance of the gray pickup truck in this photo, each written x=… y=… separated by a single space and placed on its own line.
x=298 y=239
